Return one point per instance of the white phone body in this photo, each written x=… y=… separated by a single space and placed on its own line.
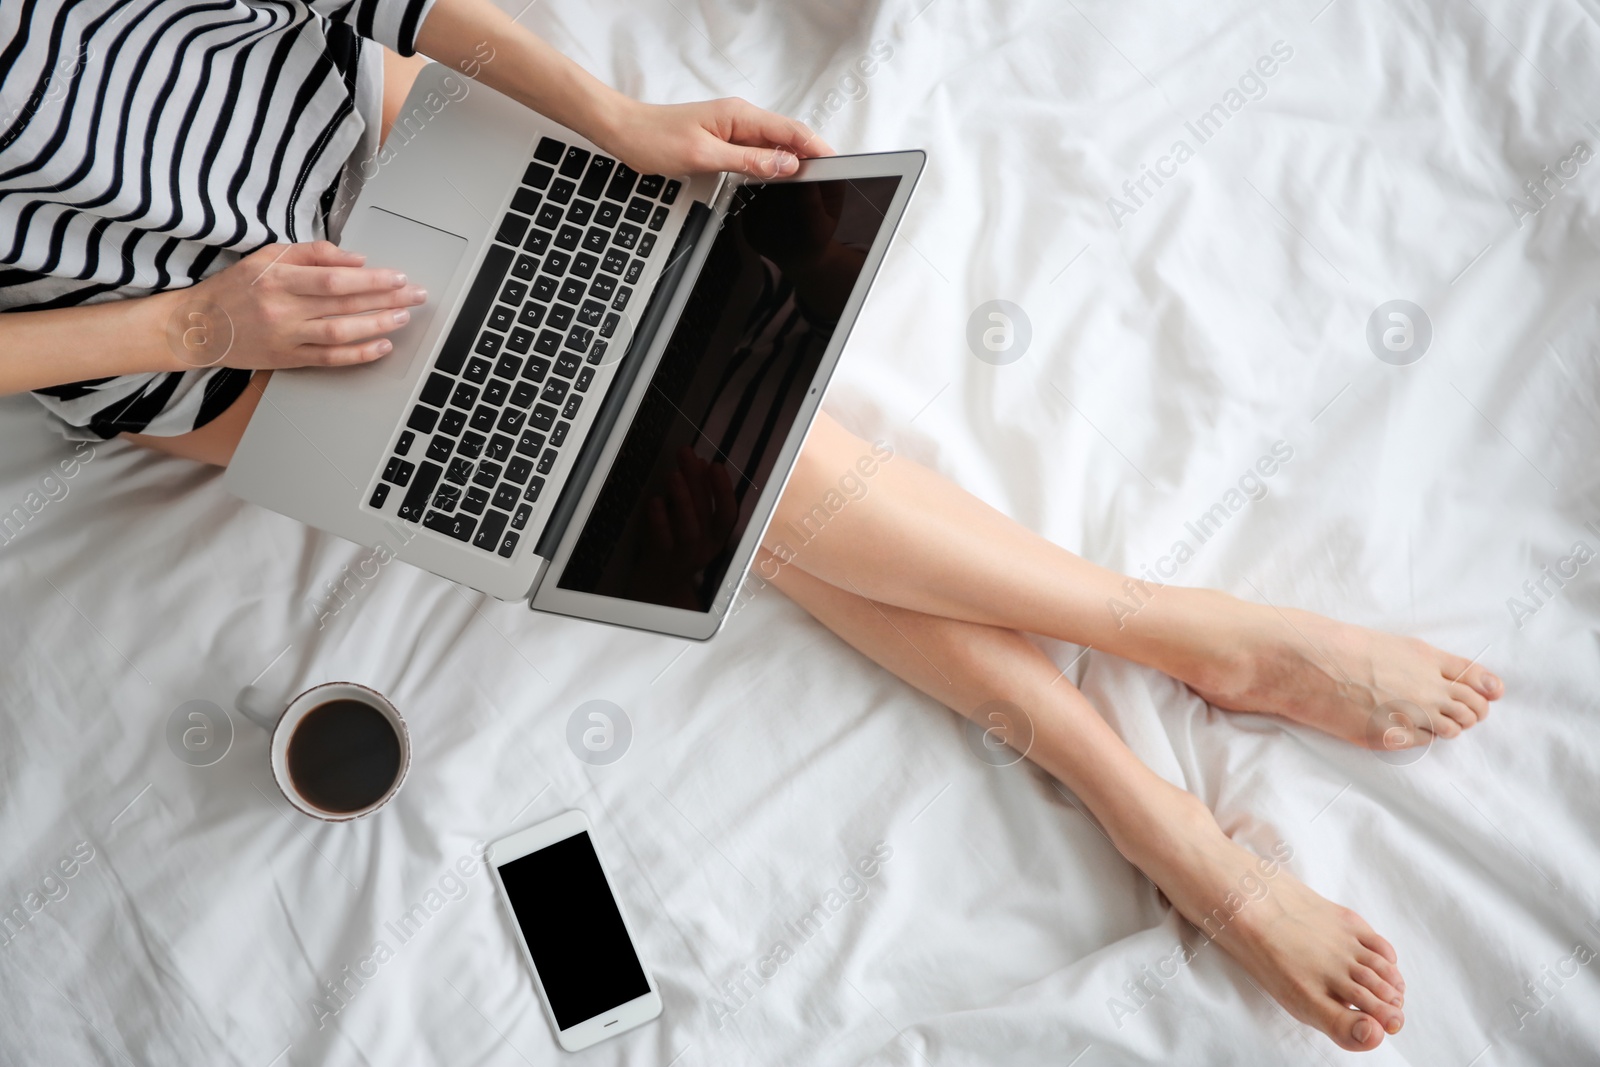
x=578 y=1034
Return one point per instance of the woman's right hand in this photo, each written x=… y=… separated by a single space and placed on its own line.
x=299 y=305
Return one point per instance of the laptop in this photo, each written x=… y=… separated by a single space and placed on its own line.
x=599 y=405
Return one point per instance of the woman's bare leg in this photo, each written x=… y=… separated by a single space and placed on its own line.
x=913 y=539
x=1314 y=957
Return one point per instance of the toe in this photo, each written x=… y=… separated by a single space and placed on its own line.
x=1442 y=725
x=1387 y=1016
x=1475 y=675
x=1465 y=694
x=1461 y=714
x=1356 y=1031
x=1380 y=945
x=1385 y=969
x=1381 y=988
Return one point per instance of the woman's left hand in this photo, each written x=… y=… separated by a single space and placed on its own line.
x=714 y=135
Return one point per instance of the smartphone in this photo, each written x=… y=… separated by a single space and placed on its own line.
x=572 y=931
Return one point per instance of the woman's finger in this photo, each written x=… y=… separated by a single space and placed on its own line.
x=352 y=328
x=325 y=306
x=760 y=128
x=337 y=281
x=344 y=355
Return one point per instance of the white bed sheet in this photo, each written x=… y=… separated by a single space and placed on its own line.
x=1225 y=314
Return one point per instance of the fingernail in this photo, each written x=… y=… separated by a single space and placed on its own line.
x=1491 y=685
x=397 y=280
x=1397 y=1001
x=384 y=348
x=402 y=317
x=1362 y=1031
x=1394 y=1026
x=419 y=295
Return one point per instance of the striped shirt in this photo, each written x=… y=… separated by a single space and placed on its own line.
x=145 y=144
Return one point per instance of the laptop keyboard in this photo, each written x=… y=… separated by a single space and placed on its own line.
x=517 y=367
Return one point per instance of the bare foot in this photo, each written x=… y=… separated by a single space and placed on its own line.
x=1374 y=689
x=1322 y=962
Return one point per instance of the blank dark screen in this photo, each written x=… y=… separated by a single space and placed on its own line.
x=573 y=930
x=742 y=357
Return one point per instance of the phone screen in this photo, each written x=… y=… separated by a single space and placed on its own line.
x=574 y=931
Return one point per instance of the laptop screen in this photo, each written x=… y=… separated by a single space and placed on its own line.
x=683 y=488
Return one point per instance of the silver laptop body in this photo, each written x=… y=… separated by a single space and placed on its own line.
x=534 y=430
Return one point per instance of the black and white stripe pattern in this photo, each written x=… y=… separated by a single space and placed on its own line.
x=145 y=144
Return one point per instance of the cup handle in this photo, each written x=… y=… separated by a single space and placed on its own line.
x=258 y=707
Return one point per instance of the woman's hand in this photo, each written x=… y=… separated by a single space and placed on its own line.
x=715 y=135
x=300 y=305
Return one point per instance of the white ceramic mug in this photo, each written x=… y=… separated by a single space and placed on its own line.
x=280 y=723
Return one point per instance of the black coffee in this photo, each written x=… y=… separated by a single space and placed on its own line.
x=343 y=755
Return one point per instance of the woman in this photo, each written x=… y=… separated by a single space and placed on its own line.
x=112 y=234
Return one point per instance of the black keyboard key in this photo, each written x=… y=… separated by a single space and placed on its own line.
x=457 y=526
x=402 y=446
x=622 y=299
x=647 y=244
x=627 y=236
x=658 y=218
x=496 y=391
x=422 y=419
x=536 y=369
x=520 y=519
x=596 y=239
x=507 y=367
x=570 y=411
x=549 y=150
x=567 y=364
x=487 y=474
x=638 y=210
x=549 y=216
x=621 y=182
x=670 y=193
x=558 y=436
x=506 y=497
x=466 y=396
x=579 y=338
x=579 y=213
x=591 y=313
x=651 y=184
x=572 y=290
x=453 y=421
x=538 y=242
x=556 y=263
x=603 y=287
x=584 y=265
x=547 y=461
x=512 y=227
x=460 y=470
x=543 y=417
x=532 y=441
x=398 y=471
x=615 y=262
x=536 y=176
x=471 y=445
x=561 y=190
x=483 y=418
x=523 y=394
x=447 y=497
x=544 y=289
x=635 y=269
x=532 y=315
x=532 y=492
x=560 y=317
x=488 y=344
x=598 y=352
x=488 y=536
x=475 y=501
x=523 y=269
x=567 y=237
x=518 y=470
x=416 y=500
x=508 y=545
x=520 y=340
x=526 y=200
x=608 y=215
x=439 y=448
x=501 y=317
x=477 y=370
x=585 y=377
x=548 y=344
x=609 y=327
x=380 y=494
x=572 y=164
x=513 y=292
x=480 y=298
x=511 y=420
x=499 y=448
x=596 y=177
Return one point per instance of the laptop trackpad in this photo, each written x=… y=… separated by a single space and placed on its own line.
x=428 y=257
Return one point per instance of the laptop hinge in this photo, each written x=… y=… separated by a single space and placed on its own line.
x=617 y=395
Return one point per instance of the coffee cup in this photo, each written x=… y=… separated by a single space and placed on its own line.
x=340 y=751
